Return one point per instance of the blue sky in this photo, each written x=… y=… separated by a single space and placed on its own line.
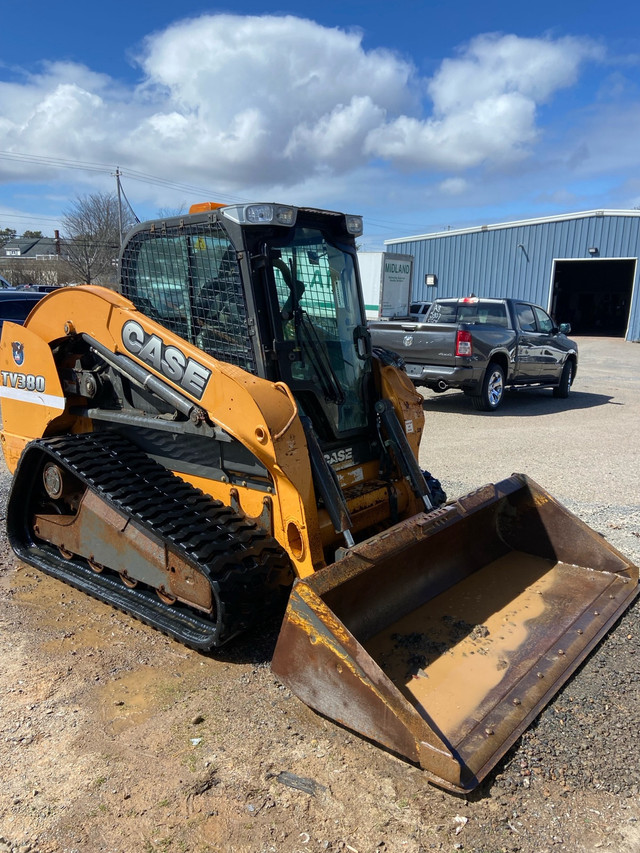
x=419 y=115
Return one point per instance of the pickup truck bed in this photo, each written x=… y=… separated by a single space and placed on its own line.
x=482 y=346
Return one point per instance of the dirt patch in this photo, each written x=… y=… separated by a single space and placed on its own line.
x=116 y=738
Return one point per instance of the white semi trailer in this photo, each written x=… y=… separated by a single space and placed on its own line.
x=386 y=284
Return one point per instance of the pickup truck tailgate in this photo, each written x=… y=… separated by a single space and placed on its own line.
x=417 y=342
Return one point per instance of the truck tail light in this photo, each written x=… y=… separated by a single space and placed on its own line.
x=463 y=343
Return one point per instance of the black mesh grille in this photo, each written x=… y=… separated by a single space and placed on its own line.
x=188 y=279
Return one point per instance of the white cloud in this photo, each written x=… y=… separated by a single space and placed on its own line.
x=485 y=103
x=453 y=186
x=496 y=129
x=225 y=62
x=336 y=138
x=493 y=64
x=66 y=112
x=274 y=98
x=254 y=103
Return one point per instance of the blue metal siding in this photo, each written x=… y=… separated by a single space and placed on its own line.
x=517 y=260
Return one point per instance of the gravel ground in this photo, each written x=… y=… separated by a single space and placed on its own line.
x=115 y=739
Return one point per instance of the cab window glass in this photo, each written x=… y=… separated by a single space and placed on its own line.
x=526 y=317
x=492 y=314
x=545 y=323
x=443 y=312
x=477 y=313
x=316 y=288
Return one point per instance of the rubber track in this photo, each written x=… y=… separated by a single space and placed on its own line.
x=235 y=554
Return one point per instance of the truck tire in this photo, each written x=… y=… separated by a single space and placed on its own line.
x=492 y=391
x=566 y=379
x=438 y=494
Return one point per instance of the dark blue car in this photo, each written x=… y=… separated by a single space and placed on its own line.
x=15 y=304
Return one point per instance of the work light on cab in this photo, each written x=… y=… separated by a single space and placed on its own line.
x=261 y=214
x=354 y=225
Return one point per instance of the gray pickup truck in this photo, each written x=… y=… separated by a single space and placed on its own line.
x=482 y=346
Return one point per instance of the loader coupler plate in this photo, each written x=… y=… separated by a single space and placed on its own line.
x=444 y=637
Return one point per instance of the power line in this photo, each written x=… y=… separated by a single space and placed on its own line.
x=154 y=180
x=379 y=223
x=35 y=217
x=58 y=162
x=163 y=182
x=132 y=174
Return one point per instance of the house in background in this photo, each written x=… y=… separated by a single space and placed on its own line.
x=34 y=260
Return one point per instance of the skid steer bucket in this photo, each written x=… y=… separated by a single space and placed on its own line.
x=443 y=637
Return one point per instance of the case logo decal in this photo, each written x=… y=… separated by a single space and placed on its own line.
x=168 y=360
x=340 y=458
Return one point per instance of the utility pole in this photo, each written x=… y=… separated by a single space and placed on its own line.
x=119 y=205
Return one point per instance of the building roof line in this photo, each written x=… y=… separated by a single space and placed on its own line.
x=562 y=217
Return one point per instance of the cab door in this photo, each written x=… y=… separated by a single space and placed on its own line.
x=539 y=353
x=528 y=343
x=550 y=351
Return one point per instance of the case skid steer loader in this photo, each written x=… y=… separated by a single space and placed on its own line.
x=220 y=431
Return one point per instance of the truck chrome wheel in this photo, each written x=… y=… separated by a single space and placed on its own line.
x=492 y=391
x=495 y=388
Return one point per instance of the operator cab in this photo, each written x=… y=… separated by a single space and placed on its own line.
x=268 y=288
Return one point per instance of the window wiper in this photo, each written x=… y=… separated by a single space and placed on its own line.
x=306 y=333
x=318 y=355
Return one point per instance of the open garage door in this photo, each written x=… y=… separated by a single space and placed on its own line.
x=593 y=295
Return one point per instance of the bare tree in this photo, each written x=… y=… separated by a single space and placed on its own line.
x=91 y=228
x=169 y=212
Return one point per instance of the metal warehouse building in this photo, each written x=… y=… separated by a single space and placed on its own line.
x=582 y=267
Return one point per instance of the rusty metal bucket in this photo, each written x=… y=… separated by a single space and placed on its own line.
x=444 y=637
